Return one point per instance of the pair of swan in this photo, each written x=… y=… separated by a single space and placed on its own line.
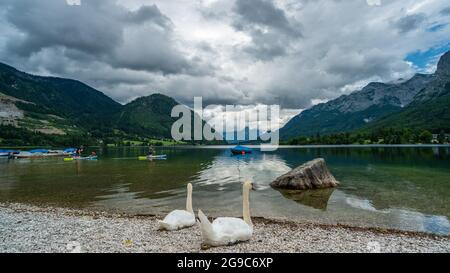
x=222 y=231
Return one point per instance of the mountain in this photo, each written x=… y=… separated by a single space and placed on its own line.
x=247 y=133
x=353 y=111
x=36 y=110
x=148 y=116
x=47 y=97
x=430 y=107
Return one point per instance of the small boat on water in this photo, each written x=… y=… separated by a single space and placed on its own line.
x=80 y=158
x=38 y=154
x=8 y=153
x=71 y=151
x=43 y=153
x=241 y=150
x=94 y=157
x=152 y=157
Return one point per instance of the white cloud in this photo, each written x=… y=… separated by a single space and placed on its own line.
x=374 y=2
x=216 y=114
x=318 y=101
x=73 y=2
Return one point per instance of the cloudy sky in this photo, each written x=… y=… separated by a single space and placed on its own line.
x=294 y=53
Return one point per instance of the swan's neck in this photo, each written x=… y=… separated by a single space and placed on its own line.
x=206 y=227
x=246 y=206
x=189 y=199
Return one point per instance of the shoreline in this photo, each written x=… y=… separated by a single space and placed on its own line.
x=30 y=228
x=224 y=146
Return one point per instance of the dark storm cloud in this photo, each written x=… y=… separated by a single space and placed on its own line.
x=410 y=22
x=98 y=30
x=266 y=46
x=149 y=13
x=264 y=13
x=268 y=26
x=77 y=27
x=446 y=11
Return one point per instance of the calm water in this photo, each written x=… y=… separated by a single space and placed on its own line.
x=403 y=188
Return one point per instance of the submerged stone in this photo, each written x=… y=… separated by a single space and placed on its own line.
x=317 y=199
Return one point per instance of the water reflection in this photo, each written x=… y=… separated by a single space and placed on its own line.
x=227 y=169
x=401 y=218
x=405 y=188
x=317 y=199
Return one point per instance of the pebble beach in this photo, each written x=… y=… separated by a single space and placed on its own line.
x=27 y=228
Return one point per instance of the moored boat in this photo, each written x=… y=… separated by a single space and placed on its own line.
x=241 y=150
x=8 y=153
x=43 y=153
x=70 y=151
x=37 y=155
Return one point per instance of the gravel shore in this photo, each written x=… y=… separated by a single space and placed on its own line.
x=25 y=228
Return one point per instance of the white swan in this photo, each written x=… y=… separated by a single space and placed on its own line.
x=178 y=219
x=228 y=230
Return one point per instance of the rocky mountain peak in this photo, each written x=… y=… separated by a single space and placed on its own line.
x=374 y=101
x=443 y=67
x=441 y=78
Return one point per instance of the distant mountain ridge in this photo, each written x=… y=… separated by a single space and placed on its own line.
x=69 y=99
x=430 y=108
x=247 y=135
x=418 y=103
x=52 y=105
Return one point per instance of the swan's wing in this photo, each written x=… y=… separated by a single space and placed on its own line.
x=231 y=230
x=178 y=219
x=180 y=216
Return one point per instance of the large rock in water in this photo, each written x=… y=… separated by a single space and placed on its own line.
x=311 y=175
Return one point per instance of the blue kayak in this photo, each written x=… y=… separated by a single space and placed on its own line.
x=239 y=150
x=40 y=151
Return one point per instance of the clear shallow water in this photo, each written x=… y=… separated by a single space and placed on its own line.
x=405 y=188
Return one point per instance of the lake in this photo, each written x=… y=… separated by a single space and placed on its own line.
x=405 y=188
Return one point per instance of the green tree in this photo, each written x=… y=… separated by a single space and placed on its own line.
x=425 y=136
